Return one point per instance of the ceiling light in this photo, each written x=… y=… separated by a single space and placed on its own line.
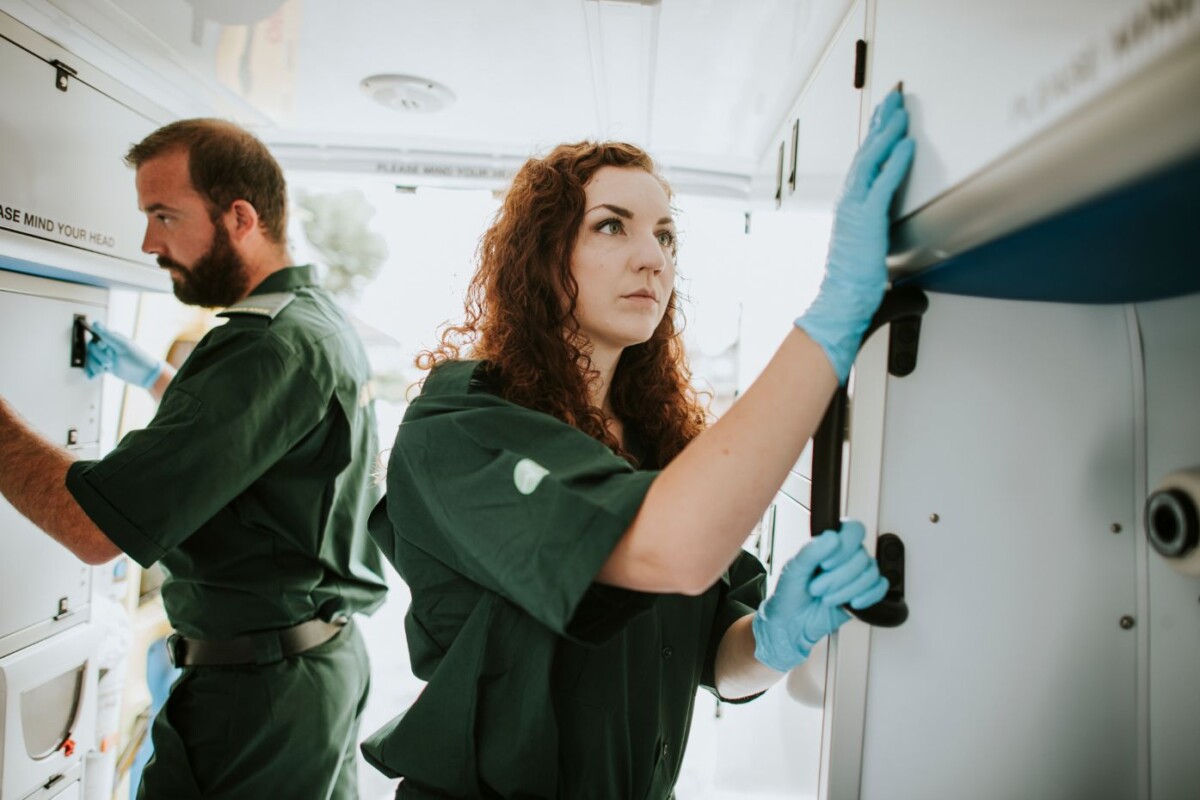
x=407 y=93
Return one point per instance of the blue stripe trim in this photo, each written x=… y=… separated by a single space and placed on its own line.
x=1138 y=243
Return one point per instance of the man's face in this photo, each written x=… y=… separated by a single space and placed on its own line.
x=205 y=268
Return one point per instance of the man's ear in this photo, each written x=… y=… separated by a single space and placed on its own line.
x=241 y=219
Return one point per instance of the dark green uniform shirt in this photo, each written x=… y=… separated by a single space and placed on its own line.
x=252 y=484
x=541 y=683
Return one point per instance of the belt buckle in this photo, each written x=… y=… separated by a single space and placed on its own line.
x=176 y=650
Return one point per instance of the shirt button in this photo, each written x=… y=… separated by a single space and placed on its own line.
x=666 y=749
x=667 y=652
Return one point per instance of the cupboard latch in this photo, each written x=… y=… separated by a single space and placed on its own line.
x=63 y=74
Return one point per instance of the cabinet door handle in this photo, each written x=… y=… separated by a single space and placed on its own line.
x=892 y=610
x=79 y=332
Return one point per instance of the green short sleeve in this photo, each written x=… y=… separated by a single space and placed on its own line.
x=518 y=503
x=236 y=407
x=741 y=590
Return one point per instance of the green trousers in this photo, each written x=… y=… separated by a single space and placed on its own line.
x=283 y=730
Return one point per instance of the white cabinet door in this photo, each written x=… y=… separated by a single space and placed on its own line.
x=43 y=587
x=982 y=78
x=823 y=134
x=1008 y=469
x=62 y=177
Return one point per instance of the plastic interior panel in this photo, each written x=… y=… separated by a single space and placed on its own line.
x=21 y=673
x=1132 y=245
x=980 y=79
x=49 y=711
x=54 y=398
x=49 y=162
x=1171 y=343
x=1012 y=676
x=828 y=115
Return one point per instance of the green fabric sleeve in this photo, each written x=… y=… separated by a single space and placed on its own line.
x=742 y=588
x=520 y=504
x=236 y=407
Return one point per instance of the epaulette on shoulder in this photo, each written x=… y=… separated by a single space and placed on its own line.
x=260 y=305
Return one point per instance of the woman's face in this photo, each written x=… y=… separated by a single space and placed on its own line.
x=623 y=261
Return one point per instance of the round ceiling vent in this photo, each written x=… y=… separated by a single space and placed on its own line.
x=407 y=93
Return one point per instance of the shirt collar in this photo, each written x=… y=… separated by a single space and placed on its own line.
x=287 y=279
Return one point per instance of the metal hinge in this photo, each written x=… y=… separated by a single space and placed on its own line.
x=860 y=63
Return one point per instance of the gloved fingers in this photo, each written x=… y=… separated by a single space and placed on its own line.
x=841 y=576
x=822 y=621
x=792 y=589
x=893 y=172
x=99 y=359
x=890 y=102
x=121 y=345
x=871 y=596
x=874 y=151
x=860 y=584
x=93 y=367
x=850 y=538
x=810 y=556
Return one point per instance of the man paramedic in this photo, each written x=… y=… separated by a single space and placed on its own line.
x=251 y=485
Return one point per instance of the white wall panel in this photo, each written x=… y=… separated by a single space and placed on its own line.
x=1013 y=676
x=37 y=574
x=1171 y=343
x=982 y=78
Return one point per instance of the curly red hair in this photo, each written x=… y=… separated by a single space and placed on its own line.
x=517 y=320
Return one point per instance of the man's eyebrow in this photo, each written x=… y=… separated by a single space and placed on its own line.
x=153 y=207
x=626 y=213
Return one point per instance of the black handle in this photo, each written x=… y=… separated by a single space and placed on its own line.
x=79 y=332
x=825 y=503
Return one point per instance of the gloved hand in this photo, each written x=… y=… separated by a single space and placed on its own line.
x=117 y=354
x=856 y=271
x=803 y=608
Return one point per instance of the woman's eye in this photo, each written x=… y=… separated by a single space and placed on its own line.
x=666 y=238
x=610 y=226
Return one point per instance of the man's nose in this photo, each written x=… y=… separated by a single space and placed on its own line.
x=151 y=244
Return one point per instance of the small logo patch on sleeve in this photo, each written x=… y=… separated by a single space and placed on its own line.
x=528 y=474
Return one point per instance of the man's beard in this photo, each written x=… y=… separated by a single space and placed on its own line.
x=217 y=279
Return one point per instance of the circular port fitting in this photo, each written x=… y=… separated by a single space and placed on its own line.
x=1171 y=523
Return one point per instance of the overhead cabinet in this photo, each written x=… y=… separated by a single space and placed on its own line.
x=63 y=143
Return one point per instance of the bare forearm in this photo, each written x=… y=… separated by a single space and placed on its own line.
x=162 y=381
x=700 y=509
x=739 y=674
x=33 y=476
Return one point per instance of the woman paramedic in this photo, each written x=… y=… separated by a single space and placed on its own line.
x=570 y=530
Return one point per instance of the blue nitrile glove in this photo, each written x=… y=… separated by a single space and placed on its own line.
x=117 y=354
x=856 y=270
x=804 y=608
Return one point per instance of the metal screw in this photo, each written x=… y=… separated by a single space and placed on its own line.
x=934 y=518
x=1126 y=622
x=1115 y=527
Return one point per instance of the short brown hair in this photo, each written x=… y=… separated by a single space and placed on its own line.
x=225 y=163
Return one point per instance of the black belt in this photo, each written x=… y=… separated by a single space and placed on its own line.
x=265 y=647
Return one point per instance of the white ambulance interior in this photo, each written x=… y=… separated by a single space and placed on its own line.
x=1021 y=435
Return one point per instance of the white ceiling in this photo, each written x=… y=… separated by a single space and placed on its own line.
x=702 y=84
